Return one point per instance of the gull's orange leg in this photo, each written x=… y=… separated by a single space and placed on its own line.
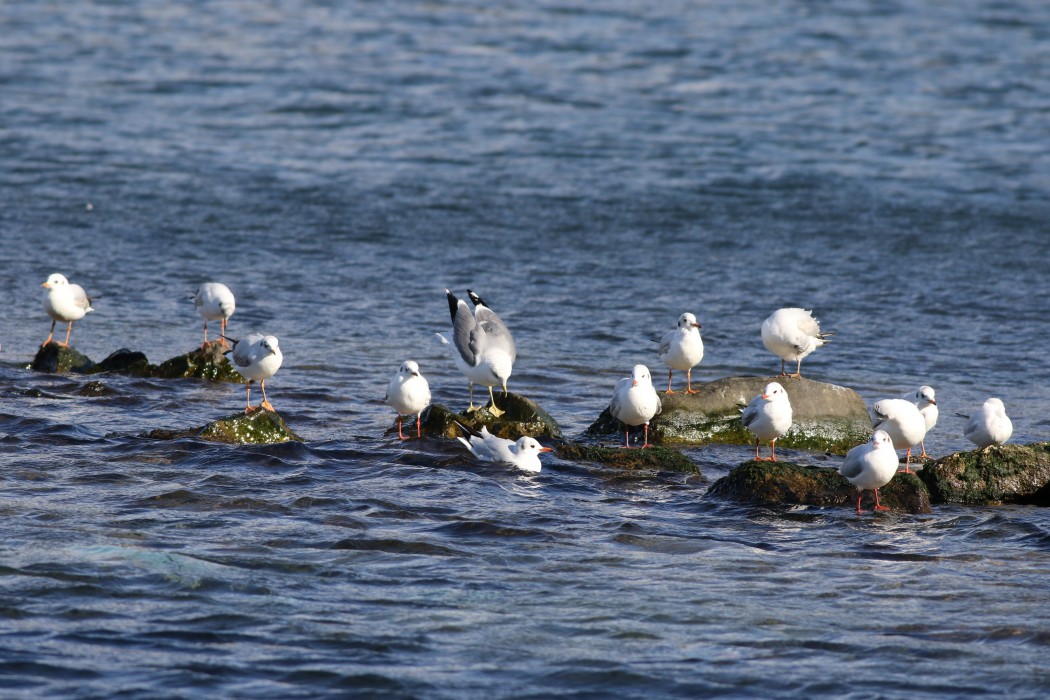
x=248 y=407
x=879 y=506
x=645 y=442
x=669 y=390
x=69 y=329
x=689 y=382
x=399 y=433
x=49 y=335
x=265 y=404
x=419 y=424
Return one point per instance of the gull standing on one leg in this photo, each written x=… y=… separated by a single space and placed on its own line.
x=635 y=402
x=484 y=348
x=768 y=416
x=65 y=302
x=408 y=393
x=792 y=334
x=682 y=349
x=214 y=302
x=257 y=358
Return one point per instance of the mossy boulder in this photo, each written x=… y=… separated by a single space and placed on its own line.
x=784 y=483
x=827 y=417
x=54 y=358
x=208 y=363
x=649 y=458
x=1001 y=474
x=521 y=416
x=260 y=427
x=122 y=361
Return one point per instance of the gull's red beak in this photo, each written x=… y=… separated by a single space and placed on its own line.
x=765 y=397
x=546 y=449
x=634 y=382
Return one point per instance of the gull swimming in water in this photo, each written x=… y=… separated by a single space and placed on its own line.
x=901 y=419
x=989 y=425
x=682 y=349
x=64 y=302
x=257 y=358
x=792 y=334
x=484 y=349
x=925 y=399
x=523 y=453
x=635 y=402
x=214 y=302
x=871 y=466
x=768 y=416
x=408 y=393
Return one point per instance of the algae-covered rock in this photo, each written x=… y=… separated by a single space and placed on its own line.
x=123 y=361
x=54 y=358
x=259 y=427
x=649 y=458
x=209 y=363
x=521 y=416
x=827 y=417
x=777 y=483
x=1002 y=474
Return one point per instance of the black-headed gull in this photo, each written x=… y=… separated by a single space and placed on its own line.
x=524 y=453
x=408 y=393
x=64 y=302
x=635 y=402
x=989 y=425
x=792 y=334
x=214 y=302
x=257 y=357
x=768 y=416
x=483 y=349
x=901 y=419
x=871 y=466
x=682 y=349
x=925 y=399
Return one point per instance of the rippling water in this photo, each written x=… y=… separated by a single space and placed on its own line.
x=593 y=170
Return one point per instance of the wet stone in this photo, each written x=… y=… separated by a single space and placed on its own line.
x=786 y=483
x=1001 y=474
x=54 y=358
x=95 y=388
x=826 y=417
x=259 y=427
x=123 y=361
x=210 y=364
x=521 y=416
x=649 y=458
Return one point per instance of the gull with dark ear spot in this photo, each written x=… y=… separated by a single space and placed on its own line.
x=257 y=357
x=682 y=349
x=768 y=416
x=66 y=302
x=523 y=453
x=214 y=302
x=483 y=347
x=635 y=402
x=408 y=393
x=925 y=400
x=792 y=334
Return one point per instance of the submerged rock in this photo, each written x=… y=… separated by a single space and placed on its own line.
x=208 y=363
x=521 y=416
x=650 y=458
x=782 y=483
x=827 y=417
x=1002 y=474
x=54 y=358
x=259 y=427
x=123 y=361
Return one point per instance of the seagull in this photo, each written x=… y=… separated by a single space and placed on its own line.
x=901 y=419
x=792 y=334
x=523 y=454
x=768 y=416
x=408 y=393
x=925 y=400
x=214 y=302
x=990 y=425
x=682 y=349
x=257 y=357
x=871 y=466
x=635 y=402
x=485 y=351
x=64 y=302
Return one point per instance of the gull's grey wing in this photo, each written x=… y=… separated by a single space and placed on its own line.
x=80 y=297
x=877 y=415
x=750 y=414
x=497 y=335
x=466 y=334
x=665 y=342
x=852 y=464
x=242 y=349
x=615 y=404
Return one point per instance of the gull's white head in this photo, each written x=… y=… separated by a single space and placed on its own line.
x=409 y=367
x=270 y=343
x=995 y=406
x=640 y=375
x=774 y=391
x=527 y=444
x=926 y=393
x=687 y=320
x=55 y=280
x=881 y=440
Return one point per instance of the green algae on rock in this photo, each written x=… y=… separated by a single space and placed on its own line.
x=260 y=427
x=649 y=458
x=827 y=417
x=1002 y=474
x=783 y=483
x=209 y=363
x=52 y=358
x=521 y=416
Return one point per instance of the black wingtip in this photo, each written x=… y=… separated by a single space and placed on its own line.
x=475 y=299
x=453 y=303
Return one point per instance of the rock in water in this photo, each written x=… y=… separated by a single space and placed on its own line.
x=1002 y=474
x=521 y=416
x=785 y=483
x=827 y=417
x=256 y=428
x=650 y=458
x=54 y=358
x=209 y=364
x=123 y=361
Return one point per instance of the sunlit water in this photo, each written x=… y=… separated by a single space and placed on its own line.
x=593 y=170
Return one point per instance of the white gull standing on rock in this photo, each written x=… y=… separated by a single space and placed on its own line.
x=768 y=416
x=871 y=466
x=64 y=302
x=257 y=357
x=682 y=349
x=989 y=425
x=635 y=402
x=523 y=453
x=408 y=393
x=925 y=399
x=901 y=419
x=214 y=302
x=483 y=349
x=792 y=334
